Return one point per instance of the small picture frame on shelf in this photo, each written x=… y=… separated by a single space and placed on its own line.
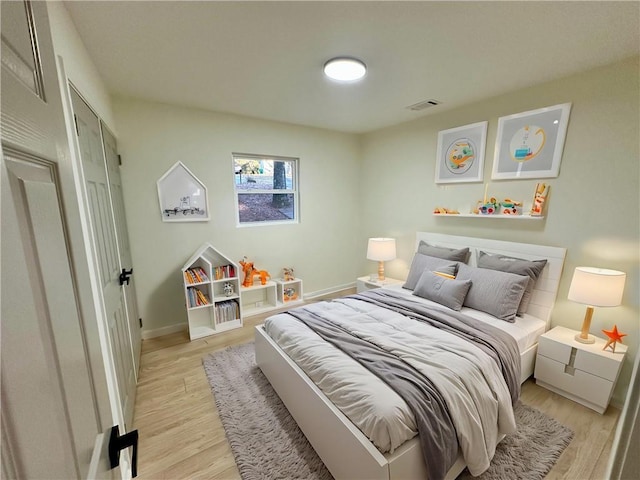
x=460 y=154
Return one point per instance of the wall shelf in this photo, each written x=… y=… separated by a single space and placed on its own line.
x=493 y=216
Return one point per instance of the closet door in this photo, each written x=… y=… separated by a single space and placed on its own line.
x=55 y=402
x=122 y=234
x=105 y=249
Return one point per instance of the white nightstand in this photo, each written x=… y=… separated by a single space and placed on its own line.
x=584 y=373
x=364 y=283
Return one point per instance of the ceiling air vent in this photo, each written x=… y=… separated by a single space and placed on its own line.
x=423 y=105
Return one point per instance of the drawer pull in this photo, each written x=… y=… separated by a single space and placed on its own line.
x=572 y=358
x=569 y=369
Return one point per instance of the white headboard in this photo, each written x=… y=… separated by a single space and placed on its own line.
x=544 y=293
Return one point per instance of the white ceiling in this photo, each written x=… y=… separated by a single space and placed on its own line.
x=264 y=59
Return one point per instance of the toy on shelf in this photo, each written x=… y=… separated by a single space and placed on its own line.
x=510 y=207
x=287 y=274
x=290 y=294
x=445 y=211
x=250 y=272
x=228 y=289
x=485 y=207
x=539 y=198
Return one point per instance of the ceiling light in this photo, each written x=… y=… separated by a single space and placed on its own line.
x=345 y=69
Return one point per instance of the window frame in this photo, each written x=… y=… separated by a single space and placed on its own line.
x=295 y=190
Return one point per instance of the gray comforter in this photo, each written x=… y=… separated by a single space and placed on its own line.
x=436 y=427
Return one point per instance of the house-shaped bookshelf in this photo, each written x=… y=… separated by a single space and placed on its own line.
x=212 y=293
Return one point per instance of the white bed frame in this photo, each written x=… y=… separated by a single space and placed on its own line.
x=344 y=449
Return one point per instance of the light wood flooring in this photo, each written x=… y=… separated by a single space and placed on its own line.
x=181 y=435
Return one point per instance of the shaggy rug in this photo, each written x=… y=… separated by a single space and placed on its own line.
x=267 y=443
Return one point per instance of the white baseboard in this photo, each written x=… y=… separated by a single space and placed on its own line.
x=328 y=291
x=159 y=332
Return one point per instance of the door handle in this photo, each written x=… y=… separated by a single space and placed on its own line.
x=124 y=276
x=119 y=442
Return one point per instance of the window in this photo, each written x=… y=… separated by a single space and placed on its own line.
x=257 y=178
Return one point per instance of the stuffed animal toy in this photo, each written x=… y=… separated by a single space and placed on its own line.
x=288 y=274
x=250 y=272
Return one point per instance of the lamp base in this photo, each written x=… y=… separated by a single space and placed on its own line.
x=589 y=339
x=583 y=336
x=380 y=271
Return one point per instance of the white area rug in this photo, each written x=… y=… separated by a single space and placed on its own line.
x=267 y=443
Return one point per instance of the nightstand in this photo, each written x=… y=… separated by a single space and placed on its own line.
x=584 y=373
x=364 y=283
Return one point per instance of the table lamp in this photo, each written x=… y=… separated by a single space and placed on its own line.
x=381 y=250
x=595 y=287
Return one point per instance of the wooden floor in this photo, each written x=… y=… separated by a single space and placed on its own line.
x=181 y=435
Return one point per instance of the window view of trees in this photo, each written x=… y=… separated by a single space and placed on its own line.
x=256 y=180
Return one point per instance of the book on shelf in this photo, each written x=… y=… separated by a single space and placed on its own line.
x=227 y=311
x=196 y=297
x=224 y=271
x=195 y=275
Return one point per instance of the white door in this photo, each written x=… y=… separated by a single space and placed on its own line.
x=122 y=234
x=55 y=403
x=94 y=173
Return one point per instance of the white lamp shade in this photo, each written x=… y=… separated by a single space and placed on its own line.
x=597 y=287
x=381 y=249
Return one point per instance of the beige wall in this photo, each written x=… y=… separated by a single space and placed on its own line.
x=593 y=209
x=321 y=248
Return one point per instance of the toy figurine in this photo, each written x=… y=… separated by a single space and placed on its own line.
x=288 y=274
x=510 y=207
x=487 y=208
x=540 y=196
x=228 y=289
x=250 y=272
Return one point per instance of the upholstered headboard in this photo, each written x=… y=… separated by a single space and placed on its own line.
x=546 y=288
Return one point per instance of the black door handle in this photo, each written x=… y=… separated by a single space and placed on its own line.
x=119 y=442
x=124 y=276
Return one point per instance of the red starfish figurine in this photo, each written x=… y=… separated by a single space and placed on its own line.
x=614 y=337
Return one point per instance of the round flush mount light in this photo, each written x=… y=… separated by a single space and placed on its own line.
x=345 y=69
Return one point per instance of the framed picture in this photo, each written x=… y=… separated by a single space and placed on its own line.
x=530 y=144
x=460 y=156
x=183 y=198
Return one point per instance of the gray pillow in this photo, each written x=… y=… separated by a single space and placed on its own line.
x=420 y=263
x=447 y=292
x=519 y=266
x=443 y=252
x=497 y=293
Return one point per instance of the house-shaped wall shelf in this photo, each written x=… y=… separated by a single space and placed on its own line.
x=183 y=198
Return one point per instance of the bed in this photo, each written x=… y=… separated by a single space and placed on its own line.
x=343 y=447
